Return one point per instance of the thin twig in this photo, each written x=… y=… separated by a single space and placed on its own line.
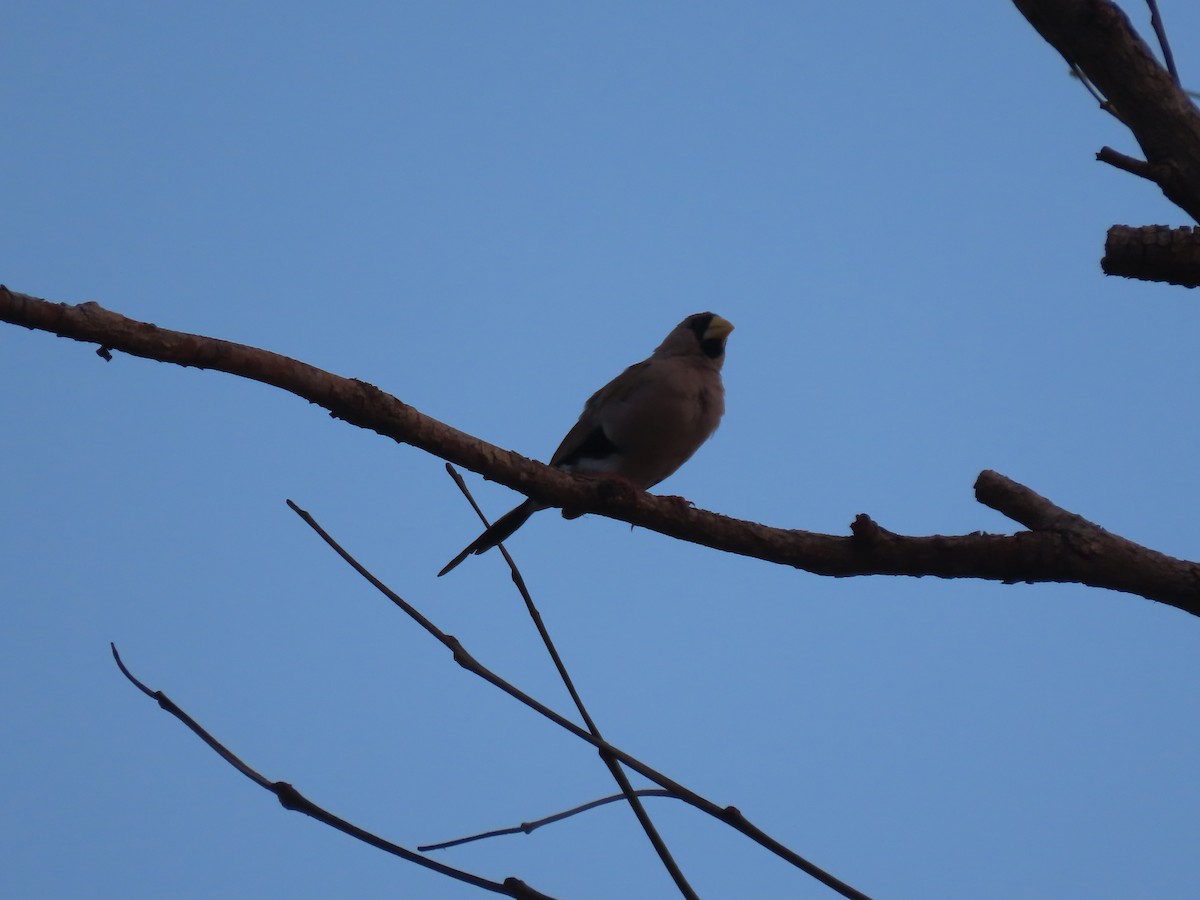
x=1105 y=104
x=618 y=774
x=530 y=827
x=729 y=815
x=1077 y=72
x=1161 y=32
x=292 y=799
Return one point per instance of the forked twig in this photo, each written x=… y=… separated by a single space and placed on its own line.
x=530 y=827
x=292 y=799
x=729 y=815
x=618 y=774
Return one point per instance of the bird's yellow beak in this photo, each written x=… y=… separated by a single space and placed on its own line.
x=718 y=328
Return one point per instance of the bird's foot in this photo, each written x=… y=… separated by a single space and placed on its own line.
x=682 y=502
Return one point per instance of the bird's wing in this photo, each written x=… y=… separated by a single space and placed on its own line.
x=588 y=437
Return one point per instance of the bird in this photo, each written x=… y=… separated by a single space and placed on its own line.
x=642 y=425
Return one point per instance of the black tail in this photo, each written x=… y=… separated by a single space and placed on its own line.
x=498 y=532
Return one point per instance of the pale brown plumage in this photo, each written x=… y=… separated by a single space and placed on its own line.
x=642 y=425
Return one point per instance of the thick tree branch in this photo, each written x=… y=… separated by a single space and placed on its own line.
x=1096 y=37
x=1154 y=253
x=1071 y=551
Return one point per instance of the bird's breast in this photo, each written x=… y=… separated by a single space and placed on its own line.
x=655 y=439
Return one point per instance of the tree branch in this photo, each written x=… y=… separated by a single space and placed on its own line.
x=1096 y=37
x=730 y=815
x=1084 y=553
x=291 y=799
x=1160 y=32
x=614 y=767
x=1125 y=163
x=1154 y=253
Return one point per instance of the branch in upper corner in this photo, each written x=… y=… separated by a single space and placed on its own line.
x=1096 y=37
x=1043 y=556
x=1154 y=253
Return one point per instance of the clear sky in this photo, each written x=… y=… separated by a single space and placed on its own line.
x=488 y=210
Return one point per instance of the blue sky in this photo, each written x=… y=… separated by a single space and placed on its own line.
x=488 y=210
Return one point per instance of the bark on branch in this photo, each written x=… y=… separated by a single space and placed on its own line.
x=1097 y=40
x=1057 y=547
x=1154 y=253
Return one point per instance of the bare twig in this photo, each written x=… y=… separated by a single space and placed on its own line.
x=622 y=780
x=1160 y=32
x=729 y=815
x=530 y=827
x=1130 y=164
x=292 y=799
x=1030 y=557
x=1077 y=73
